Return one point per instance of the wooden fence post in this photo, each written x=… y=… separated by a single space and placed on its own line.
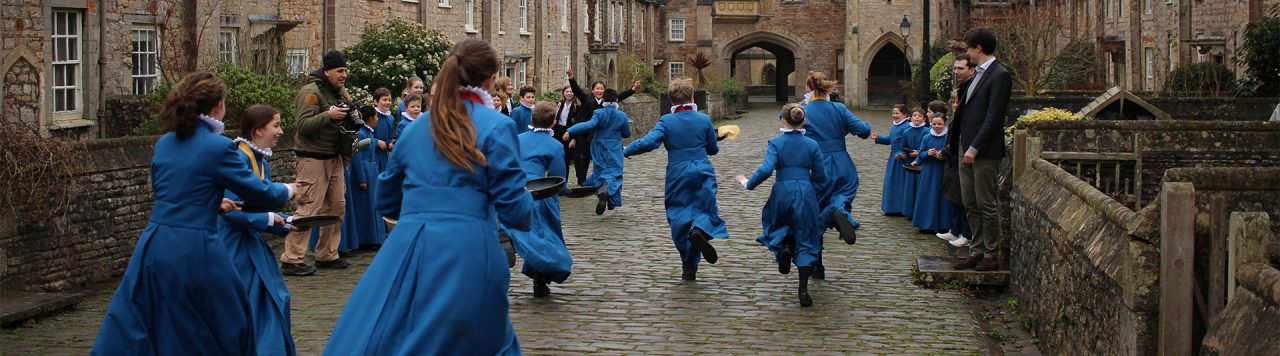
x=1250 y=235
x=1177 y=246
x=1216 y=298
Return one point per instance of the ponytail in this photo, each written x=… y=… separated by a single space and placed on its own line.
x=196 y=94
x=470 y=63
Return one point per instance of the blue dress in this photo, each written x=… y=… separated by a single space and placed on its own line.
x=439 y=284
x=932 y=209
x=792 y=208
x=610 y=126
x=542 y=244
x=181 y=293
x=523 y=116
x=385 y=132
x=912 y=136
x=361 y=224
x=404 y=122
x=690 y=196
x=258 y=268
x=895 y=176
x=828 y=123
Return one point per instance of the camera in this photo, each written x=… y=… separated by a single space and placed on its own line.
x=353 y=121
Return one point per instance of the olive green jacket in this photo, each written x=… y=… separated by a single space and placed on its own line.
x=317 y=133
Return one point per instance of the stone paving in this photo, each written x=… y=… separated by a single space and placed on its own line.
x=626 y=297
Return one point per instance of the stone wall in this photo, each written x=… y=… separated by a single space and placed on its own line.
x=1180 y=108
x=644 y=113
x=1086 y=284
x=93 y=241
x=1166 y=144
x=1240 y=329
x=121 y=114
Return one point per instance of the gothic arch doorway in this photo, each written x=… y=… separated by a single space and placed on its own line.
x=783 y=51
x=887 y=69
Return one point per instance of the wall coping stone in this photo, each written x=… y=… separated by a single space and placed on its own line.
x=1151 y=125
x=1261 y=279
x=1115 y=212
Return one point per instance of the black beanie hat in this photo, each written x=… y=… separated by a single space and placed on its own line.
x=334 y=59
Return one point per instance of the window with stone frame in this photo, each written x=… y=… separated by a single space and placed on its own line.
x=525 y=21
x=469 y=15
x=145 y=58
x=521 y=73
x=227 y=45
x=67 y=88
x=615 y=22
x=443 y=3
x=595 y=24
x=564 y=15
x=586 y=17
x=643 y=23
x=1149 y=69
x=498 y=5
x=675 y=70
x=675 y=30
x=296 y=61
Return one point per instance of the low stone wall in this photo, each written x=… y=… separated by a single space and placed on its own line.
x=1164 y=145
x=643 y=111
x=1086 y=284
x=1241 y=328
x=1181 y=108
x=93 y=241
x=120 y=114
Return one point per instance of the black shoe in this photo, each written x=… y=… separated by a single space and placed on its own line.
x=803 y=292
x=819 y=272
x=847 y=232
x=611 y=206
x=540 y=287
x=784 y=259
x=296 y=269
x=603 y=194
x=505 y=241
x=702 y=242
x=335 y=264
x=690 y=273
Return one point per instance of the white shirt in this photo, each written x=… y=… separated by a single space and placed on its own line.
x=977 y=77
x=564 y=112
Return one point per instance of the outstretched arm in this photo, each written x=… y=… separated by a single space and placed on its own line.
x=649 y=142
x=766 y=168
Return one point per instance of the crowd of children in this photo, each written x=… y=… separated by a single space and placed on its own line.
x=437 y=285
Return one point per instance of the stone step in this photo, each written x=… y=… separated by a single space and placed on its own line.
x=16 y=307
x=936 y=270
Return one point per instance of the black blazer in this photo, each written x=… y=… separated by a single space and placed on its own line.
x=587 y=103
x=980 y=119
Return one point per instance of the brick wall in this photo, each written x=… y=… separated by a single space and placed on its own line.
x=92 y=243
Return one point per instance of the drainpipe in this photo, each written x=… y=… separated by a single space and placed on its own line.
x=102 y=61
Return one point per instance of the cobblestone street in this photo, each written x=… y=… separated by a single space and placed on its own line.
x=625 y=295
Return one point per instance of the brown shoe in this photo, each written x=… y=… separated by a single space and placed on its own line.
x=989 y=264
x=969 y=262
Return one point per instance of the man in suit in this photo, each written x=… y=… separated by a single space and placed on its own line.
x=980 y=118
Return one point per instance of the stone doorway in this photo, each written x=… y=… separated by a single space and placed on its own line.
x=753 y=56
x=888 y=68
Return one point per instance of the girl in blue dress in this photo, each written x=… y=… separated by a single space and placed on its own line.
x=362 y=225
x=895 y=175
x=438 y=285
x=690 y=193
x=242 y=233
x=828 y=123
x=932 y=210
x=181 y=294
x=546 y=259
x=911 y=148
x=609 y=126
x=792 y=227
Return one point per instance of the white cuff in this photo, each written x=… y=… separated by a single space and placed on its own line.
x=271 y=219
x=290 y=188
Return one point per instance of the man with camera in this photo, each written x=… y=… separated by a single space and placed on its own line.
x=322 y=146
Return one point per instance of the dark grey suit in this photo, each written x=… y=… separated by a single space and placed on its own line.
x=980 y=119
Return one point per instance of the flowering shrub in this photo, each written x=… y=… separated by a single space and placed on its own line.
x=388 y=55
x=1047 y=114
x=245 y=87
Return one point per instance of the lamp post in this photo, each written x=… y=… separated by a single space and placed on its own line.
x=904 y=28
x=926 y=63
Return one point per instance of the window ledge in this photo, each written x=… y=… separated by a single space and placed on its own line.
x=681 y=41
x=471 y=30
x=525 y=33
x=70 y=123
x=500 y=33
x=444 y=6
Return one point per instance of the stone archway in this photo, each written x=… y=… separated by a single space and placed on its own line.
x=887 y=64
x=786 y=51
x=20 y=102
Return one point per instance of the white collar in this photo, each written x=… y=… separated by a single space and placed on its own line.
x=263 y=151
x=785 y=130
x=905 y=119
x=214 y=124
x=407 y=117
x=485 y=98
x=530 y=107
x=985 y=65
x=691 y=105
x=542 y=129
x=366 y=125
x=913 y=125
x=935 y=134
x=388 y=112
x=605 y=105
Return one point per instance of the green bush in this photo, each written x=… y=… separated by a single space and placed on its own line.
x=731 y=90
x=1260 y=53
x=1205 y=78
x=941 y=76
x=552 y=96
x=245 y=88
x=388 y=55
x=631 y=69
